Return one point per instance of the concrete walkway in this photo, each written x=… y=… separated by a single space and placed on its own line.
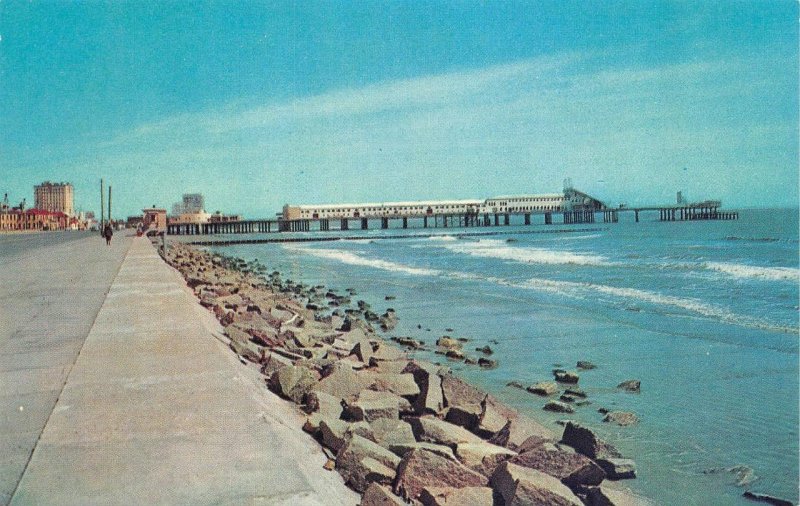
x=157 y=410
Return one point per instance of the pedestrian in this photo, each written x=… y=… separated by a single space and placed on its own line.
x=107 y=233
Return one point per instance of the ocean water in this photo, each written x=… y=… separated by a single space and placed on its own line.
x=705 y=314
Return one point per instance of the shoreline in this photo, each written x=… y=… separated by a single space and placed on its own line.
x=395 y=427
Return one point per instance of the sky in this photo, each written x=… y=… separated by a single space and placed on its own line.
x=258 y=104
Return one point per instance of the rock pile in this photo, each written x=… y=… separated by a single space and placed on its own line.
x=397 y=429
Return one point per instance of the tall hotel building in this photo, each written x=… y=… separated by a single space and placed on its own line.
x=54 y=197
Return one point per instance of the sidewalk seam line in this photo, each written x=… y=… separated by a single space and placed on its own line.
x=66 y=379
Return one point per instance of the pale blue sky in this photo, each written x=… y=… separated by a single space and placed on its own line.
x=257 y=104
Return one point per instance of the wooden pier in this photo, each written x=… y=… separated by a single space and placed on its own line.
x=469 y=214
x=665 y=214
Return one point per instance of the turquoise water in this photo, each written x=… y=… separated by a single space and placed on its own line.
x=705 y=314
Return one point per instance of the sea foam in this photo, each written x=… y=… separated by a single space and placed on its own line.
x=756 y=272
x=493 y=248
x=350 y=258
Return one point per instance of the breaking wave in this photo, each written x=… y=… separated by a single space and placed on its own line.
x=755 y=272
x=354 y=259
x=493 y=248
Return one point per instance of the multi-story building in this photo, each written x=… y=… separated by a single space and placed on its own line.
x=193 y=203
x=54 y=197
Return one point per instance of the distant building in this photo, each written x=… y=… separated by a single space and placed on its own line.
x=54 y=197
x=154 y=218
x=134 y=221
x=193 y=203
x=193 y=217
x=33 y=220
x=218 y=217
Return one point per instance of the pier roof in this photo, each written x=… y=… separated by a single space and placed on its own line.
x=393 y=204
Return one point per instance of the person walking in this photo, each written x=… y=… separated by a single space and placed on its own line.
x=107 y=233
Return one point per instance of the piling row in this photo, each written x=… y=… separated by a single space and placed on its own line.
x=579 y=216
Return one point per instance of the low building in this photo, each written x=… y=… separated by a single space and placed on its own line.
x=187 y=218
x=217 y=217
x=154 y=219
x=32 y=220
x=569 y=200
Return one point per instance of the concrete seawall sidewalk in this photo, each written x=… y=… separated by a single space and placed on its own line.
x=157 y=410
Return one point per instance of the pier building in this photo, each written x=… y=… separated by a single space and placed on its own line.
x=552 y=202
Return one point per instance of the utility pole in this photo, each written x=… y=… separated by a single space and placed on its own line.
x=109 y=203
x=102 y=206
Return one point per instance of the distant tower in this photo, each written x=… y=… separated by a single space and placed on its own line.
x=567 y=184
x=54 y=197
x=193 y=203
x=681 y=198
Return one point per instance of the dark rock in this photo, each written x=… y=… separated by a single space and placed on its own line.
x=617 y=469
x=586 y=442
x=515 y=384
x=372 y=409
x=754 y=496
x=502 y=436
x=402 y=448
x=543 y=388
x=525 y=486
x=575 y=392
x=420 y=469
x=293 y=382
x=558 y=407
x=622 y=418
x=432 y=430
x=630 y=385
x=482 y=457
x=566 y=398
x=402 y=384
x=563 y=462
x=566 y=377
x=387 y=432
x=531 y=442
x=357 y=474
x=408 y=342
x=468 y=360
x=379 y=495
x=449 y=496
x=585 y=365
x=487 y=363
x=486 y=350
x=430 y=398
x=324 y=404
x=448 y=343
x=343 y=383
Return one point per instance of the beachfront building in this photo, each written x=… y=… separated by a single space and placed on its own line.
x=154 y=218
x=33 y=220
x=569 y=200
x=54 y=197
